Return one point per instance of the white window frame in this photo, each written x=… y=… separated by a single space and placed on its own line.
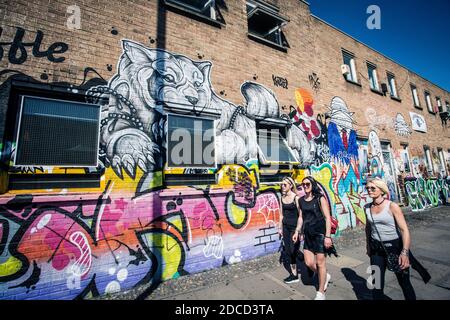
x=211 y=4
x=372 y=71
x=392 y=84
x=415 y=95
x=439 y=104
x=167 y=143
x=428 y=101
x=429 y=160
x=17 y=135
x=283 y=140
x=352 y=66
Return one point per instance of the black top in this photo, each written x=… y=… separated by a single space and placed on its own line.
x=290 y=213
x=313 y=219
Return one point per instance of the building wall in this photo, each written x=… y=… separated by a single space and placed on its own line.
x=76 y=243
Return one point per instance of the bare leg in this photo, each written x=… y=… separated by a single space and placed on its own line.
x=294 y=269
x=322 y=271
x=310 y=260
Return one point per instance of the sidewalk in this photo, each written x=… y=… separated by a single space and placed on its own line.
x=262 y=278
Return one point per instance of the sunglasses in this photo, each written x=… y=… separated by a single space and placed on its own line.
x=371 y=189
x=284 y=184
x=306 y=184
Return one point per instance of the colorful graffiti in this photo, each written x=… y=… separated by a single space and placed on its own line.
x=426 y=193
x=133 y=230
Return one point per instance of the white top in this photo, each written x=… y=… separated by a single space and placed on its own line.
x=385 y=223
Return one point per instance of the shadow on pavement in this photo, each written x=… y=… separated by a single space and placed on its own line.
x=359 y=284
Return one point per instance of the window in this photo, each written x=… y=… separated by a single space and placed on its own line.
x=190 y=142
x=349 y=60
x=428 y=101
x=373 y=79
x=439 y=104
x=265 y=23
x=442 y=163
x=415 y=96
x=447 y=106
x=429 y=162
x=405 y=158
x=392 y=85
x=273 y=147
x=200 y=8
x=57 y=133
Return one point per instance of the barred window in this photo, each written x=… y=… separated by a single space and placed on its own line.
x=57 y=133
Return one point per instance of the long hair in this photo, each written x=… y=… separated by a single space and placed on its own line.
x=315 y=189
x=292 y=183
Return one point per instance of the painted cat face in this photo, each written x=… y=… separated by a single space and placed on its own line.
x=171 y=80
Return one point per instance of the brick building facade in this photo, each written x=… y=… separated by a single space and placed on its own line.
x=78 y=221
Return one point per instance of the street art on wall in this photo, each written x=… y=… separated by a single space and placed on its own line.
x=401 y=127
x=418 y=122
x=17 y=53
x=341 y=135
x=61 y=244
x=307 y=136
x=426 y=193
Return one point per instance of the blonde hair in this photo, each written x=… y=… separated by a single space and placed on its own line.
x=292 y=183
x=380 y=184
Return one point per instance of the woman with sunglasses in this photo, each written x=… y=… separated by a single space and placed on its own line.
x=317 y=232
x=383 y=217
x=290 y=224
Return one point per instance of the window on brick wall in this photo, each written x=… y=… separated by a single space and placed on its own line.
x=428 y=102
x=392 y=85
x=273 y=147
x=190 y=142
x=56 y=141
x=50 y=130
x=349 y=60
x=415 y=96
x=208 y=9
x=373 y=78
x=439 y=104
x=265 y=23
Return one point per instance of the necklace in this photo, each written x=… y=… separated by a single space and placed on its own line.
x=377 y=204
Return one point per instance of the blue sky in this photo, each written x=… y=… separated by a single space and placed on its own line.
x=414 y=33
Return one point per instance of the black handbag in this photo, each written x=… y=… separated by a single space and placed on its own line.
x=392 y=258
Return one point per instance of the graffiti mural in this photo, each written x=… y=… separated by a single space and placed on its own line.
x=401 y=126
x=426 y=193
x=17 y=53
x=64 y=247
x=307 y=137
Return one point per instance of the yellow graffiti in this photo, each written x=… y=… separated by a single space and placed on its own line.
x=170 y=253
x=235 y=213
x=10 y=267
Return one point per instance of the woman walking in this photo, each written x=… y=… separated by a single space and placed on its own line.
x=385 y=247
x=317 y=232
x=290 y=224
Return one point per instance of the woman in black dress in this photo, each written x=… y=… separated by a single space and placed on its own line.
x=315 y=212
x=290 y=224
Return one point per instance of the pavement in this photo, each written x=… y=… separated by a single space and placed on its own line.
x=262 y=278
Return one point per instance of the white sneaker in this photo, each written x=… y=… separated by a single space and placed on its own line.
x=320 y=296
x=326 y=282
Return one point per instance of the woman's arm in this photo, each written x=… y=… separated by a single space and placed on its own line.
x=280 y=224
x=326 y=214
x=368 y=236
x=406 y=237
x=298 y=228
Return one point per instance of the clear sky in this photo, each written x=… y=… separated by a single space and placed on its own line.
x=414 y=33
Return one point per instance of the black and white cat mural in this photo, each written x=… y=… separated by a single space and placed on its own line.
x=149 y=82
